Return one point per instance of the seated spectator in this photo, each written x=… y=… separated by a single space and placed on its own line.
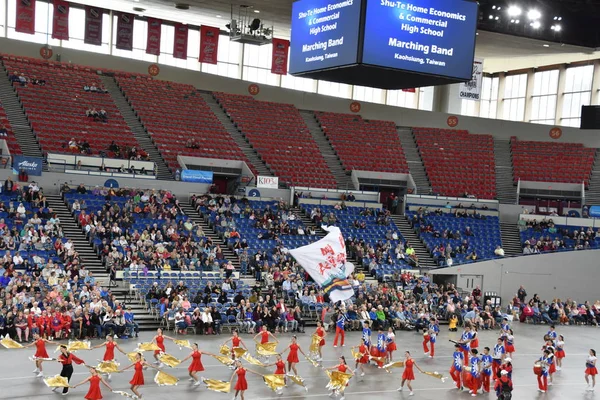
x=86 y=88
x=103 y=115
x=3 y=130
x=499 y=251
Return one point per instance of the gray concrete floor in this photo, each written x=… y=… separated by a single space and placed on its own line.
x=18 y=382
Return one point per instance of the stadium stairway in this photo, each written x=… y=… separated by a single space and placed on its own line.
x=413 y=158
x=132 y=120
x=342 y=178
x=74 y=232
x=592 y=196
x=17 y=118
x=242 y=142
x=511 y=239
x=506 y=192
x=210 y=233
x=426 y=261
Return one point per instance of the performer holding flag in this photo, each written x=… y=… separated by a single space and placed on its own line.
x=391 y=344
x=40 y=352
x=434 y=329
x=381 y=347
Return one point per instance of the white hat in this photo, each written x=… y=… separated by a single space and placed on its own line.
x=504 y=372
x=508 y=359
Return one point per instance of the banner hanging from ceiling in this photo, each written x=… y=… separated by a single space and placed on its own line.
x=124 y=40
x=209 y=44
x=281 y=49
x=93 y=25
x=180 y=44
x=25 y=16
x=471 y=90
x=60 y=20
x=154 y=33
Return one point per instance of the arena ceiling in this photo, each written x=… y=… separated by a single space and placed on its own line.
x=499 y=43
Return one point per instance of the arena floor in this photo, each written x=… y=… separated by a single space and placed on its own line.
x=18 y=382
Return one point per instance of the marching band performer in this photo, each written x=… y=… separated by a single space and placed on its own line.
x=159 y=339
x=292 y=359
x=363 y=351
x=498 y=356
x=590 y=370
x=542 y=377
x=475 y=377
x=196 y=365
x=94 y=379
x=425 y=342
x=457 y=366
x=434 y=329
x=138 y=376
x=67 y=359
x=40 y=352
x=241 y=384
x=560 y=351
x=391 y=344
x=486 y=369
x=381 y=347
x=264 y=335
x=366 y=333
x=340 y=327
x=236 y=342
x=109 y=353
x=341 y=367
x=465 y=341
x=320 y=332
x=279 y=369
x=408 y=375
x=510 y=343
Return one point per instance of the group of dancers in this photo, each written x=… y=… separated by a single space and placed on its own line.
x=472 y=369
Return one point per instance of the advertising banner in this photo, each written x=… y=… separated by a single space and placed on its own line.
x=192 y=175
x=209 y=44
x=270 y=182
x=31 y=165
x=281 y=48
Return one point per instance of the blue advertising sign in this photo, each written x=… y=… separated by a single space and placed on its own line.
x=434 y=37
x=192 y=175
x=594 y=211
x=324 y=34
x=31 y=165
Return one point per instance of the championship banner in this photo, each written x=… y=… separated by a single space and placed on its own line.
x=154 y=33
x=60 y=20
x=125 y=31
x=25 y=15
x=281 y=49
x=180 y=44
x=471 y=90
x=209 y=44
x=93 y=25
x=325 y=262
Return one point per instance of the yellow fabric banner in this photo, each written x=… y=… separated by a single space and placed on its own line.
x=164 y=379
x=169 y=360
x=10 y=344
x=274 y=382
x=266 y=349
x=56 y=381
x=218 y=386
x=107 y=367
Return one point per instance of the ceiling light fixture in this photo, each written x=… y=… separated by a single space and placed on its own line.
x=218 y=16
x=546 y=45
x=535 y=24
x=556 y=28
x=514 y=11
x=517 y=21
x=534 y=14
x=257 y=11
x=491 y=16
x=497 y=18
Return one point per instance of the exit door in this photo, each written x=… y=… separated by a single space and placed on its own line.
x=470 y=282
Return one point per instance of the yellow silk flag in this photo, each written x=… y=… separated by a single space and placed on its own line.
x=313 y=362
x=239 y=352
x=253 y=360
x=356 y=354
x=164 y=379
x=274 y=382
x=125 y=394
x=217 y=386
x=224 y=360
x=56 y=381
x=182 y=343
x=225 y=350
x=297 y=380
x=377 y=359
x=169 y=360
x=148 y=346
x=132 y=356
x=314 y=344
x=75 y=345
x=395 y=364
x=338 y=380
x=108 y=367
x=436 y=375
x=10 y=344
x=266 y=349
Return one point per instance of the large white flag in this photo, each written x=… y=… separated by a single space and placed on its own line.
x=325 y=262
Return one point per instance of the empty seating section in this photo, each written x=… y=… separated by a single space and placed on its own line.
x=373 y=233
x=486 y=235
x=367 y=145
x=11 y=141
x=457 y=162
x=281 y=138
x=551 y=162
x=174 y=113
x=57 y=110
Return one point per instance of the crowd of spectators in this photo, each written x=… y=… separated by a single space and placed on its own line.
x=24 y=80
x=45 y=287
x=95 y=88
x=544 y=236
